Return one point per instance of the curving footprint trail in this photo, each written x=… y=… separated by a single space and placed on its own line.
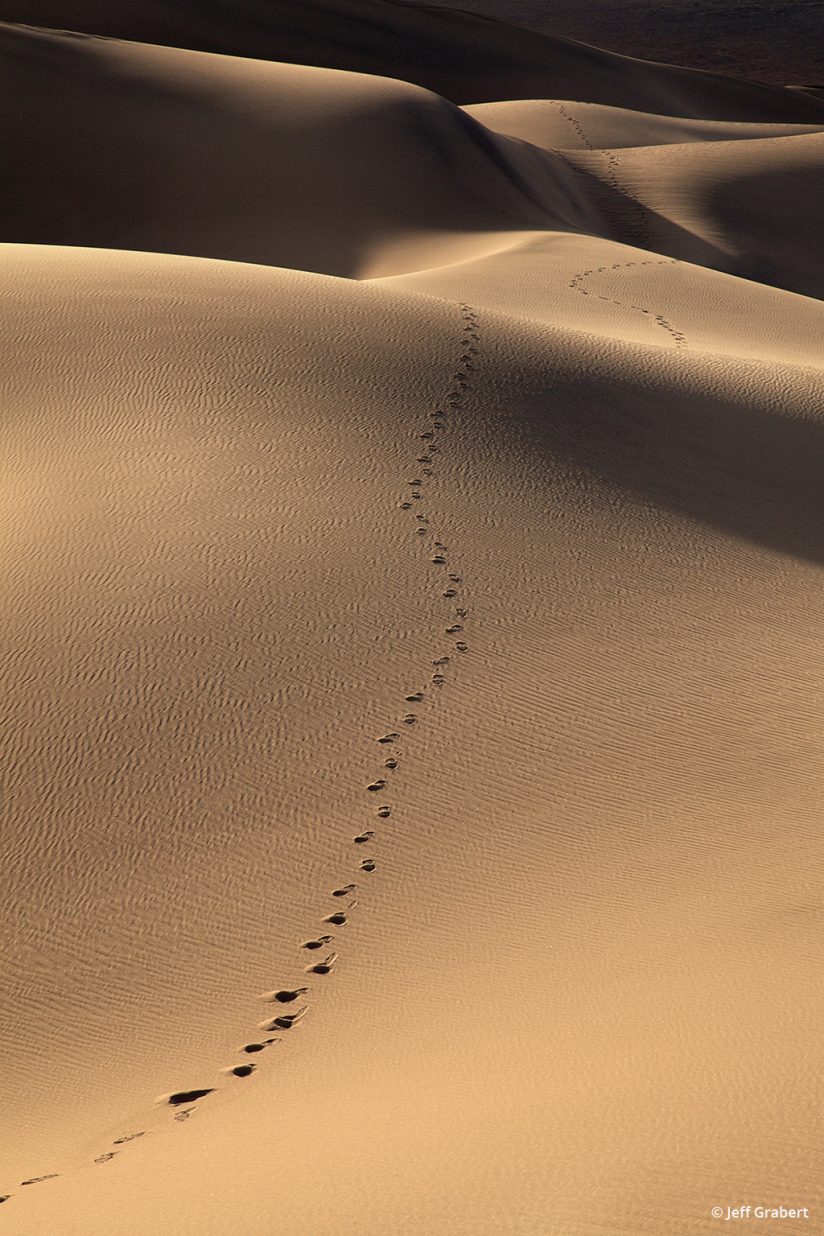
x=636 y=228
x=429 y=438
x=677 y=336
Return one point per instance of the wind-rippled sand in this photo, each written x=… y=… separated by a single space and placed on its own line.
x=424 y=498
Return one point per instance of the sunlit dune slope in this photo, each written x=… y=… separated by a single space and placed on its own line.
x=559 y=123
x=212 y=575
x=412 y=609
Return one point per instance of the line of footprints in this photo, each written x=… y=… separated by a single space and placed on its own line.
x=428 y=439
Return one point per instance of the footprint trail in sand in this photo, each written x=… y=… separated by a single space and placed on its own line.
x=433 y=435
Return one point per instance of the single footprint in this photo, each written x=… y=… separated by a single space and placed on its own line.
x=239 y=1070
x=37 y=1179
x=441 y=661
x=416 y=495
x=185 y=1114
x=414 y=699
x=251 y=1048
x=454 y=629
x=374 y=786
x=284 y=1022
x=439 y=560
x=420 y=531
x=456 y=579
x=428 y=472
x=389 y=738
x=438 y=680
x=318 y=943
x=390 y=763
x=462 y=647
x=128 y=1137
x=5 y=1197
x=368 y=864
x=384 y=812
x=405 y=506
x=451 y=592
x=106 y=1156
x=179 y=1097
x=284 y=996
x=461 y=613
x=426 y=436
x=338 y=918
x=415 y=483
x=422 y=519
x=424 y=459
x=361 y=837
x=410 y=719
x=344 y=891
x=323 y=967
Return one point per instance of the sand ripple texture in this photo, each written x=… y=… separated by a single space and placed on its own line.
x=411 y=642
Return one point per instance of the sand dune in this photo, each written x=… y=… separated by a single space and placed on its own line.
x=462 y=56
x=558 y=123
x=214 y=156
x=426 y=500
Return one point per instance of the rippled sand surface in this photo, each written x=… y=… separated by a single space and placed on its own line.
x=412 y=545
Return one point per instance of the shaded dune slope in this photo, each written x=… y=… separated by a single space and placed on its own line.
x=140 y=147
x=161 y=149
x=465 y=58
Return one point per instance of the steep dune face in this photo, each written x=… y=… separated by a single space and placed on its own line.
x=214 y=156
x=410 y=643
x=286 y=165
x=748 y=208
x=465 y=58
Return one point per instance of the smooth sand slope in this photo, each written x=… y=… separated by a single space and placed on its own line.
x=460 y=55
x=503 y=445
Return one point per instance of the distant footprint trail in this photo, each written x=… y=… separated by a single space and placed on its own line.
x=637 y=230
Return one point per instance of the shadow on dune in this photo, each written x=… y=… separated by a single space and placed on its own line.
x=464 y=57
x=749 y=212
x=164 y=152
x=625 y=219
x=775 y=219
x=737 y=462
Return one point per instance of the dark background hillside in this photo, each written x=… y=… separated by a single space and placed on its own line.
x=779 y=42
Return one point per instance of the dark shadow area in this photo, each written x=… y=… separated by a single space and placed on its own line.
x=744 y=467
x=464 y=57
x=757 y=39
x=187 y=1096
x=752 y=209
x=109 y=154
